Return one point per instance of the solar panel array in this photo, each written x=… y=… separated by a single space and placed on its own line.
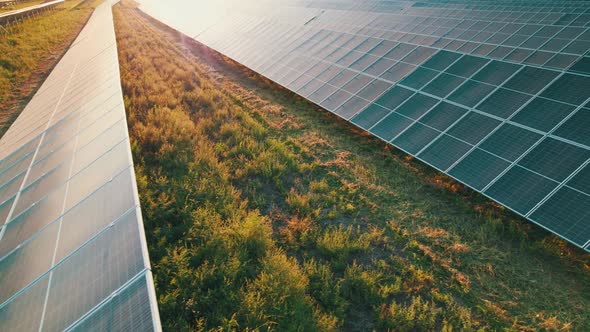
x=492 y=93
x=72 y=247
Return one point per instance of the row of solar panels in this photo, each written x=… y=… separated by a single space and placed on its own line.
x=19 y=13
x=72 y=246
x=494 y=95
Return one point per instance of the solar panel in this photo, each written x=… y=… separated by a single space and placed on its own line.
x=492 y=93
x=72 y=249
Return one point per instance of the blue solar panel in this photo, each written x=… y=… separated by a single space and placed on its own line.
x=72 y=248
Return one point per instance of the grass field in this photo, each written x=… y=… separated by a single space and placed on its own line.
x=263 y=212
x=31 y=49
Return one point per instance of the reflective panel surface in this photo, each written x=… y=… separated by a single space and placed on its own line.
x=72 y=246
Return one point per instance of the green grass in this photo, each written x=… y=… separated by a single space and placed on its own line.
x=264 y=213
x=29 y=51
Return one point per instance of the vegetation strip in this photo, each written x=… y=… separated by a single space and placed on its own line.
x=263 y=213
